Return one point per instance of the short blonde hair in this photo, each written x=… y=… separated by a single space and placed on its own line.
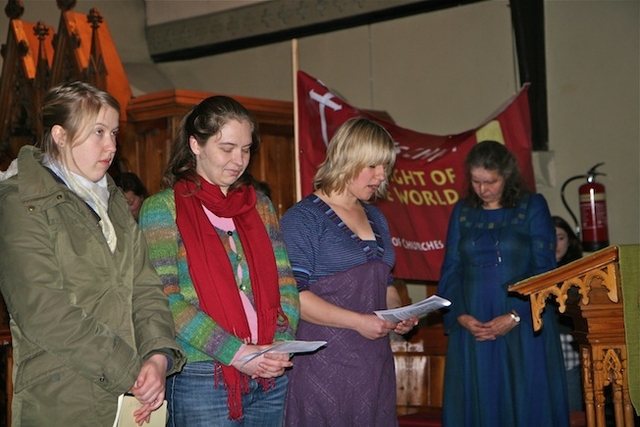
x=357 y=143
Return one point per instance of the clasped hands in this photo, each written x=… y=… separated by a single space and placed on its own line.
x=487 y=331
x=267 y=365
x=149 y=387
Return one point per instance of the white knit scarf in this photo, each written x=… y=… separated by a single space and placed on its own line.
x=95 y=194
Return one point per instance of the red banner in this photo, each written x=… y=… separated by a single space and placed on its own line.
x=428 y=178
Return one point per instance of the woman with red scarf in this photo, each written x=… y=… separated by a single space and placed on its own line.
x=217 y=245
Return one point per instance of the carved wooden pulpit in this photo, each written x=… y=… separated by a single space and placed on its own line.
x=599 y=315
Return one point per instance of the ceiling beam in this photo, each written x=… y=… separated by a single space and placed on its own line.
x=274 y=21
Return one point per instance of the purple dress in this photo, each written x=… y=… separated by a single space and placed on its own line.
x=350 y=382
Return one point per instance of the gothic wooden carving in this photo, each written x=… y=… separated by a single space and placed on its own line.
x=36 y=58
x=599 y=328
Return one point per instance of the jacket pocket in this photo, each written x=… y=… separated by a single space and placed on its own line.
x=38 y=368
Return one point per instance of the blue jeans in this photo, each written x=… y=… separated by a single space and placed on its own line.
x=194 y=401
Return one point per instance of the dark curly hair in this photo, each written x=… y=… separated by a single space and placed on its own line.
x=129 y=181
x=494 y=156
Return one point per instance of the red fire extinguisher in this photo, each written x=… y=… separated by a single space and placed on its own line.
x=593 y=229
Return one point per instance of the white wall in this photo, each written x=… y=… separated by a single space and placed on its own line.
x=443 y=72
x=593 y=88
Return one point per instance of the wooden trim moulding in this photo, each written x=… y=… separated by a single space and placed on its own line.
x=274 y=21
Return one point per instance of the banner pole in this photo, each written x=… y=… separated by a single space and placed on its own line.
x=296 y=142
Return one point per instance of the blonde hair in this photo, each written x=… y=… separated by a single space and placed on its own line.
x=357 y=143
x=74 y=107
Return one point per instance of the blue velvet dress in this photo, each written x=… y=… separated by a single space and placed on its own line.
x=517 y=380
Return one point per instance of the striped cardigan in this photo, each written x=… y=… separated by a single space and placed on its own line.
x=198 y=334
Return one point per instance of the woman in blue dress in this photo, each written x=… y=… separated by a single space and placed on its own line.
x=499 y=372
x=341 y=255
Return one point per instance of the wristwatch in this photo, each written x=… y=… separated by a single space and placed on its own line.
x=515 y=316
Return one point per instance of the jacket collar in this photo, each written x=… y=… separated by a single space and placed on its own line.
x=38 y=187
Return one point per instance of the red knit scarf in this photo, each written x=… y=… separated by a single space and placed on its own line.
x=212 y=274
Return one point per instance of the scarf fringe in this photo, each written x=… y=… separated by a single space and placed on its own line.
x=235 y=391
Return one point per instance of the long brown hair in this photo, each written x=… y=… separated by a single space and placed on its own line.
x=204 y=120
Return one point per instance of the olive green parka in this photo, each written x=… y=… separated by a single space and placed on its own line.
x=83 y=319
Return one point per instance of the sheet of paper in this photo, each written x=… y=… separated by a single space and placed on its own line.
x=128 y=404
x=286 y=347
x=419 y=309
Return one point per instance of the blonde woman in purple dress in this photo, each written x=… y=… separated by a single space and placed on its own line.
x=341 y=255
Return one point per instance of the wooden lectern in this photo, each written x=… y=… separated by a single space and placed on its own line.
x=598 y=316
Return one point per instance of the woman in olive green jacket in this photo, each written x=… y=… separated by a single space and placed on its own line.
x=89 y=319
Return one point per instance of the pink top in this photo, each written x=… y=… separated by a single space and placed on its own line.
x=226 y=224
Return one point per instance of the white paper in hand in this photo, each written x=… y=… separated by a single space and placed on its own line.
x=285 y=347
x=419 y=309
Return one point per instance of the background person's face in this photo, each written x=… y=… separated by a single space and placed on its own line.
x=562 y=243
x=135 y=203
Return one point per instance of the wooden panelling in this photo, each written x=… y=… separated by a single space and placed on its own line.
x=419 y=361
x=419 y=380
